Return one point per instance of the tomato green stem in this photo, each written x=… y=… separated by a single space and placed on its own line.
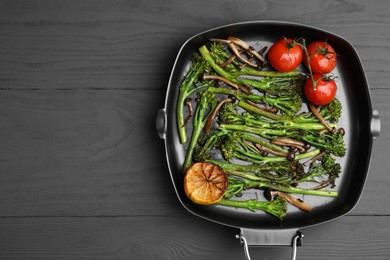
x=303 y=46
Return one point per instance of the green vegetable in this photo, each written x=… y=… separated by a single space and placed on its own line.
x=219 y=55
x=330 y=113
x=258 y=136
x=285 y=91
x=259 y=184
x=276 y=207
x=303 y=128
x=207 y=101
x=230 y=116
x=289 y=104
x=187 y=88
x=329 y=142
x=234 y=147
x=325 y=172
x=282 y=172
x=203 y=151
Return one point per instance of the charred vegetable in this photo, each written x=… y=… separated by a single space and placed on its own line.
x=188 y=87
x=248 y=124
x=207 y=102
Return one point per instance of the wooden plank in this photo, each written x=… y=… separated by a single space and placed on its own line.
x=160 y=238
x=82 y=171
x=82 y=153
x=92 y=153
x=133 y=44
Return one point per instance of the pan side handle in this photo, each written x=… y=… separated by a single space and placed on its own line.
x=375 y=124
x=287 y=237
x=161 y=123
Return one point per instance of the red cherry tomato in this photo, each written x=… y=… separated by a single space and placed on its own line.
x=323 y=58
x=285 y=55
x=325 y=90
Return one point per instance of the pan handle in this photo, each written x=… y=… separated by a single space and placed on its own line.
x=375 y=124
x=161 y=123
x=250 y=237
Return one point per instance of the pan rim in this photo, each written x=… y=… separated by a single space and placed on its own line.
x=269 y=22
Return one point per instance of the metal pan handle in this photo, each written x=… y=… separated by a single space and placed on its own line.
x=290 y=237
x=375 y=124
x=161 y=123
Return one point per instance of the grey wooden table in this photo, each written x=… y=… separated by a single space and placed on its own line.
x=82 y=171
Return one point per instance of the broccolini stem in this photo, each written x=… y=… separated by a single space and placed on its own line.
x=262 y=142
x=190 y=79
x=264 y=132
x=268 y=159
x=284 y=104
x=207 y=56
x=201 y=86
x=266 y=73
x=254 y=181
x=261 y=171
x=248 y=176
x=263 y=85
x=234 y=77
x=261 y=112
x=209 y=145
x=236 y=93
x=307 y=154
x=287 y=121
x=199 y=123
x=290 y=189
x=221 y=55
x=194 y=138
x=276 y=207
x=180 y=116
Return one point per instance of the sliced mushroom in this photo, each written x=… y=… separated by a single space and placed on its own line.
x=313 y=159
x=268 y=150
x=259 y=65
x=210 y=120
x=235 y=50
x=228 y=61
x=322 y=185
x=190 y=112
x=247 y=48
x=292 y=200
x=267 y=109
x=290 y=142
x=320 y=118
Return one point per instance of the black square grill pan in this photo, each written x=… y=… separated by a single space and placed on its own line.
x=360 y=121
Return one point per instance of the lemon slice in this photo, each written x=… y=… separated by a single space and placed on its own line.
x=205 y=183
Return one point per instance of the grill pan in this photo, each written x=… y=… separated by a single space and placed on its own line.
x=360 y=121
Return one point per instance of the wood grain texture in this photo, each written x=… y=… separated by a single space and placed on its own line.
x=132 y=44
x=160 y=238
x=82 y=153
x=93 y=153
x=82 y=171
